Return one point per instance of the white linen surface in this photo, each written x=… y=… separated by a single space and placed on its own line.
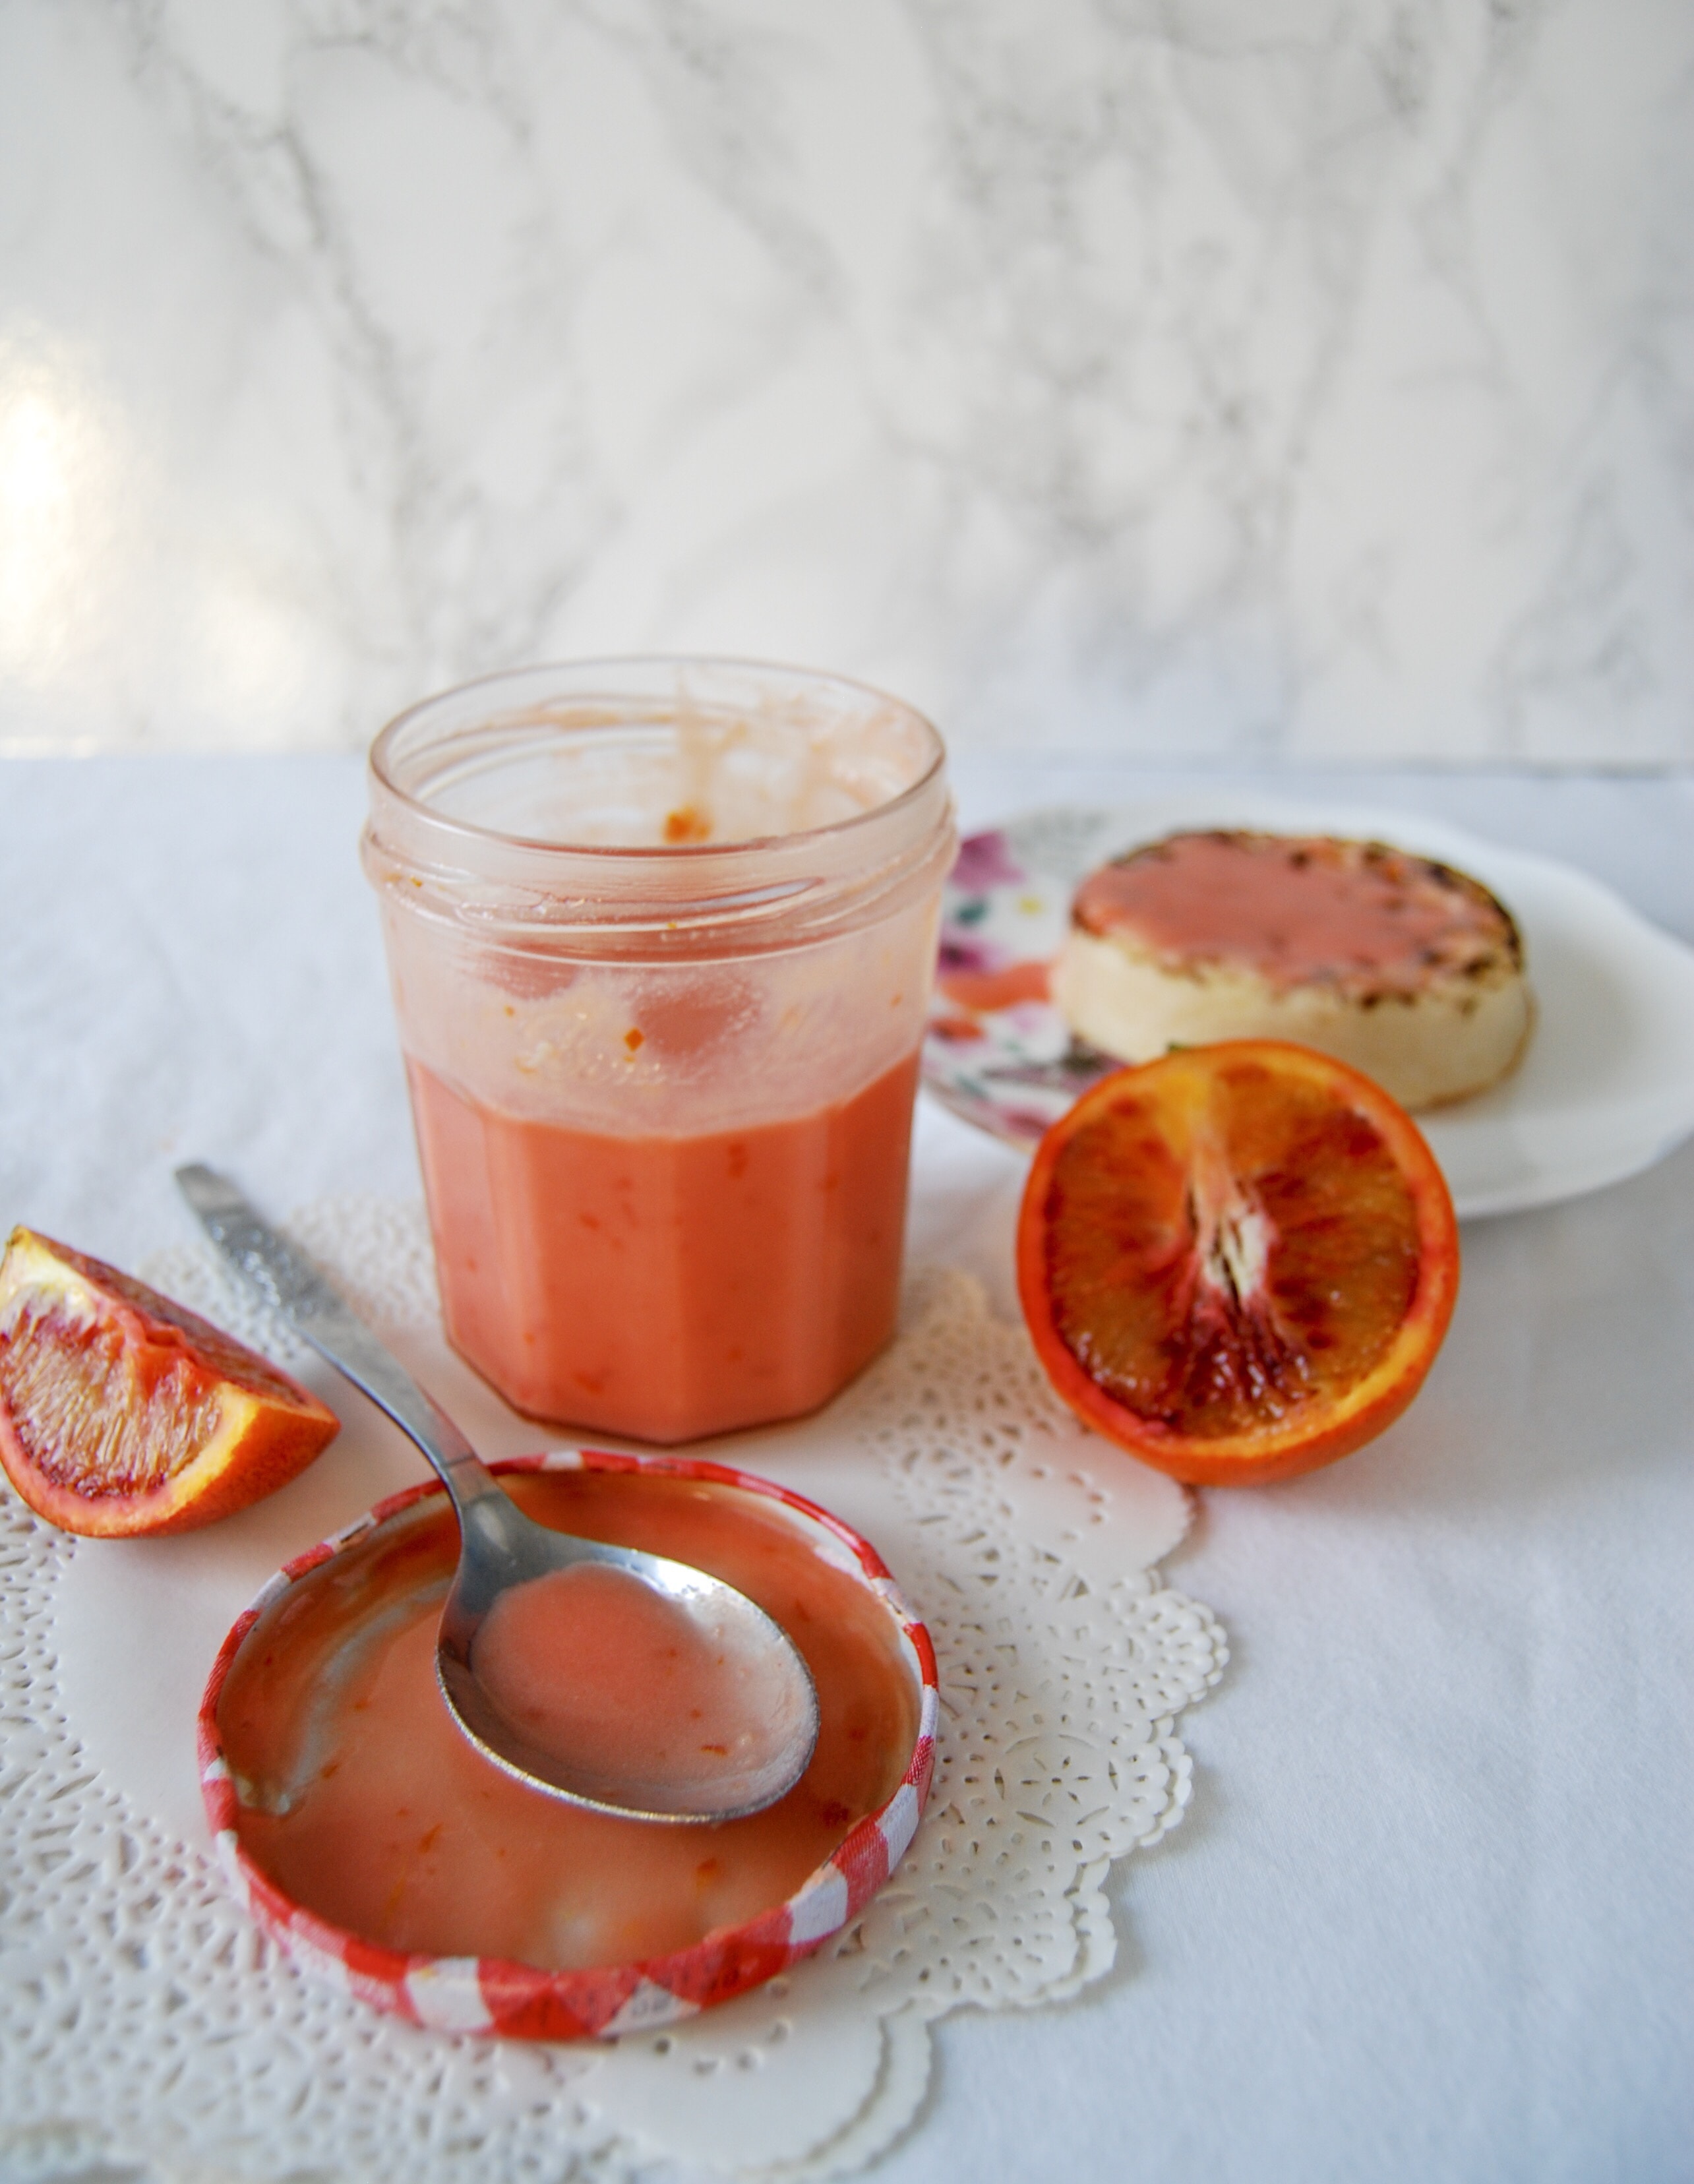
x=1431 y=1915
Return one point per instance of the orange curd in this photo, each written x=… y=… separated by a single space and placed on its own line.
x=1295 y=908
x=363 y=1802
x=593 y=1659
x=668 y=1285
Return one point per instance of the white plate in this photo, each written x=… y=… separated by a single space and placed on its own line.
x=1606 y=1088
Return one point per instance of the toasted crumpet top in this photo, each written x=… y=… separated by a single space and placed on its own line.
x=1299 y=909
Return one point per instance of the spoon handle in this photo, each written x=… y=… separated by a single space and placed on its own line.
x=295 y=1289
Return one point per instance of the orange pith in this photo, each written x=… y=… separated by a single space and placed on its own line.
x=122 y=1412
x=1239 y=1260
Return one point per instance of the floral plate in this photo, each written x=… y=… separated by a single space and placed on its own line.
x=1606 y=1088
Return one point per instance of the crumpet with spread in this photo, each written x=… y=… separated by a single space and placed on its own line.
x=1402 y=968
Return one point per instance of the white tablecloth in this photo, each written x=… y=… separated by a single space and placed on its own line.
x=1432 y=1913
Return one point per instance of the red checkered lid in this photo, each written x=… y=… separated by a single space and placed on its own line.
x=489 y=1995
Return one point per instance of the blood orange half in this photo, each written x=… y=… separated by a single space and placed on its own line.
x=1238 y=1261
x=121 y=1413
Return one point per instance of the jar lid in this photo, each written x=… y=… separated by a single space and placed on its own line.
x=470 y=1993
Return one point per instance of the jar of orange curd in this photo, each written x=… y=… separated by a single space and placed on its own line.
x=660 y=933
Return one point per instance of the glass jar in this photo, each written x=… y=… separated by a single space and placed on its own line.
x=660 y=933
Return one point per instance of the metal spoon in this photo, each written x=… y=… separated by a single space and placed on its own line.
x=500 y=1547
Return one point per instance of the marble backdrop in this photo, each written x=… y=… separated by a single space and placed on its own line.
x=1299 y=378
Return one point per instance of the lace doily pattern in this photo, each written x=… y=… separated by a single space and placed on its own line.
x=146 y=2023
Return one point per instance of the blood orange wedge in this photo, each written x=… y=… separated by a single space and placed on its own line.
x=1238 y=1262
x=120 y=1412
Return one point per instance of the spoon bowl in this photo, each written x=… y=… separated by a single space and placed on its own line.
x=707 y=1710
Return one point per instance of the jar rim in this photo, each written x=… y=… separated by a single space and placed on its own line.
x=699 y=854
x=751 y=895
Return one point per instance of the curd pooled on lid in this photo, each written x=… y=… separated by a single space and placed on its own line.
x=361 y=1801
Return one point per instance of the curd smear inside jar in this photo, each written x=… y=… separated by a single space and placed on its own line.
x=360 y=1799
x=661 y=955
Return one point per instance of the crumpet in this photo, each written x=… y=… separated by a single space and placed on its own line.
x=1402 y=968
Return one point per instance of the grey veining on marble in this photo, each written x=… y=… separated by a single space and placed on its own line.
x=1281 y=379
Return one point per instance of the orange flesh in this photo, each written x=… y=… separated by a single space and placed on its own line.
x=100 y=1407
x=590 y=1659
x=1296 y=909
x=1219 y=1271
x=122 y=1412
x=363 y=1801
x=668 y=1287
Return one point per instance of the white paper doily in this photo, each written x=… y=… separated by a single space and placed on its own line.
x=144 y=2023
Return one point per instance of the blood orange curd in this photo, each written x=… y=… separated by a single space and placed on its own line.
x=367 y=1826
x=668 y=1285
x=660 y=935
x=592 y=1660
